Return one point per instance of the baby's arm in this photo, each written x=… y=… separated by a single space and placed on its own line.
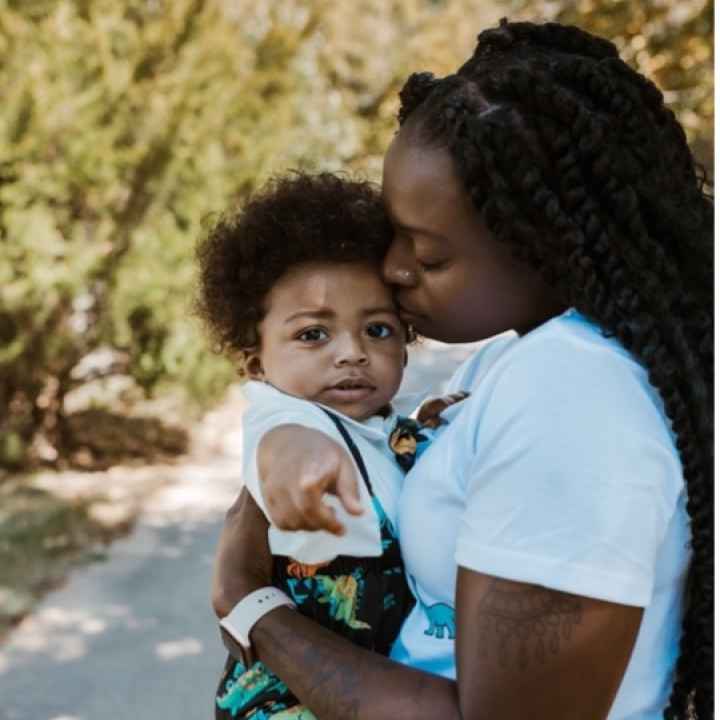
x=309 y=550
x=302 y=432
x=292 y=428
x=298 y=466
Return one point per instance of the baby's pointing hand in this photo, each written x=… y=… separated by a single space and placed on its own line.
x=297 y=467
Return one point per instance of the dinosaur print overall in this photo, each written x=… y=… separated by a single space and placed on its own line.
x=363 y=599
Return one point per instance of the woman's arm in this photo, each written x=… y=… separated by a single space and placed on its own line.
x=522 y=651
x=526 y=651
x=341 y=681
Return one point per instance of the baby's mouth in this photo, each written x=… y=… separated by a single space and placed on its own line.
x=352 y=385
x=350 y=390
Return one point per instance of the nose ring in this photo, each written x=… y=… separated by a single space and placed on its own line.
x=405 y=275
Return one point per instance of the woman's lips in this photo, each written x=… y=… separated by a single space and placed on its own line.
x=407 y=313
x=404 y=307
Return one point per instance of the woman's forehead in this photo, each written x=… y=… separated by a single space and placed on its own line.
x=420 y=186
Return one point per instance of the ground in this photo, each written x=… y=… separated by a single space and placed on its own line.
x=132 y=636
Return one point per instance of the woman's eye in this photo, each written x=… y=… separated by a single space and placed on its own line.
x=427 y=266
x=313 y=335
x=380 y=331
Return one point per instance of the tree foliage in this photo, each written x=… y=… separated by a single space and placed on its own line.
x=127 y=123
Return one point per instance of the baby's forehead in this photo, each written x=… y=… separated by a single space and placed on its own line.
x=334 y=284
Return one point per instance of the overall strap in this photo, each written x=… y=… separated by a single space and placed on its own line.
x=352 y=447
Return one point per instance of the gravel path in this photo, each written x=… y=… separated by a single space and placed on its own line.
x=133 y=637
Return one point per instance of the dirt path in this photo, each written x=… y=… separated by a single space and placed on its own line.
x=133 y=638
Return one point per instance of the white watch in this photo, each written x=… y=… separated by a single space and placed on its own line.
x=250 y=609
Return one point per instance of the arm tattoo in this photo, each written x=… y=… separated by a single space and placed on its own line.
x=329 y=685
x=523 y=625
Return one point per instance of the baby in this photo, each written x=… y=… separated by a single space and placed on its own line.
x=292 y=286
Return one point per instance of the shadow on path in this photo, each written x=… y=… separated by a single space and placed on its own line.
x=133 y=638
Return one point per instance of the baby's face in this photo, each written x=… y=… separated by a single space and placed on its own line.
x=332 y=335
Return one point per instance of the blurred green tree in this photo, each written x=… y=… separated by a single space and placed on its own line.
x=125 y=125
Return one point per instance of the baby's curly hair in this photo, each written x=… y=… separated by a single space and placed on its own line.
x=293 y=219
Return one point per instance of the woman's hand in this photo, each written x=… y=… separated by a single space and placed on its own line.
x=429 y=412
x=297 y=467
x=242 y=560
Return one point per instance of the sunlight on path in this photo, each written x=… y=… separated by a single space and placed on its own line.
x=133 y=638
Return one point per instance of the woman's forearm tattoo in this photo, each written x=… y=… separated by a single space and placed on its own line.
x=524 y=625
x=324 y=678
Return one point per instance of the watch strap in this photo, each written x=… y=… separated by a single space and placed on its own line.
x=242 y=618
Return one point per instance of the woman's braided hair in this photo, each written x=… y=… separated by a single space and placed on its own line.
x=573 y=158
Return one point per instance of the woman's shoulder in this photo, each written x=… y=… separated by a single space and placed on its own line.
x=481 y=362
x=573 y=333
x=568 y=348
x=570 y=368
x=572 y=347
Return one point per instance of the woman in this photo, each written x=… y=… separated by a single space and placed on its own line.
x=559 y=532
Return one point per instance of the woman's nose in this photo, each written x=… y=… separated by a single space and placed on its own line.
x=396 y=267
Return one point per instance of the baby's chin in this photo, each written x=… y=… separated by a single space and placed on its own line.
x=361 y=414
x=359 y=409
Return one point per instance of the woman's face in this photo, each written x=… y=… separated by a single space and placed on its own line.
x=454 y=282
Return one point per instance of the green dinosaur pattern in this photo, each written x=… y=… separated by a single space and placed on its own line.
x=244 y=686
x=362 y=599
x=341 y=593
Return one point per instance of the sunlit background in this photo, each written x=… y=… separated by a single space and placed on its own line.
x=125 y=125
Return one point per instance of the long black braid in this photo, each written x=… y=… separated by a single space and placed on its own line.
x=573 y=159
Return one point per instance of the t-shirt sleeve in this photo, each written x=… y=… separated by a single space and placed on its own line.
x=576 y=481
x=362 y=537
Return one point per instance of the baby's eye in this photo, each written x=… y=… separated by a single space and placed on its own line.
x=312 y=335
x=380 y=331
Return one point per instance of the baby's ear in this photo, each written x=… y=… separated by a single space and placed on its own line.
x=253 y=366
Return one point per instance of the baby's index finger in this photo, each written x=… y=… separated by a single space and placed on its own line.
x=330 y=522
x=348 y=492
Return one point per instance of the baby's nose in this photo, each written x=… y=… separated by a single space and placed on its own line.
x=351 y=351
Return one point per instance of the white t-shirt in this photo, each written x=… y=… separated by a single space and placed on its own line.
x=559 y=470
x=269 y=408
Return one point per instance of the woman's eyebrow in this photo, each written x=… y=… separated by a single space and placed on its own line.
x=418 y=230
